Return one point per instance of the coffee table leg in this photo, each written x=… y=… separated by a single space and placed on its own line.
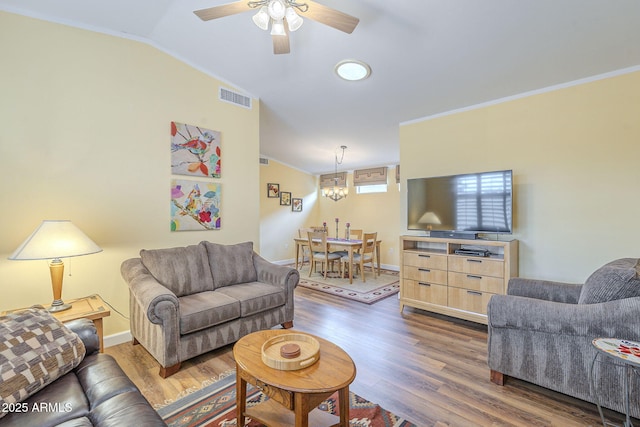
x=343 y=401
x=241 y=399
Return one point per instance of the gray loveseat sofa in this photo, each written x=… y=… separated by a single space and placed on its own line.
x=187 y=301
x=541 y=332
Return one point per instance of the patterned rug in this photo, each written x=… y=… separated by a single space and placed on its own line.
x=215 y=405
x=369 y=292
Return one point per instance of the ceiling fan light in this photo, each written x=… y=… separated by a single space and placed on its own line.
x=277 y=28
x=276 y=9
x=294 y=21
x=261 y=19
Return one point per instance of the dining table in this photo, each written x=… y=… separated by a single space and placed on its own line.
x=351 y=245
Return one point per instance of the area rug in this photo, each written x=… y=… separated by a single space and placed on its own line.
x=215 y=406
x=369 y=292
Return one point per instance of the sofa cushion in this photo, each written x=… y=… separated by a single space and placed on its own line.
x=255 y=297
x=68 y=405
x=205 y=309
x=231 y=264
x=184 y=271
x=616 y=280
x=35 y=350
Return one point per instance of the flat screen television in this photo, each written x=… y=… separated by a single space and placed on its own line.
x=474 y=203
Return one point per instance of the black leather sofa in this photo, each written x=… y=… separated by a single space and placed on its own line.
x=96 y=393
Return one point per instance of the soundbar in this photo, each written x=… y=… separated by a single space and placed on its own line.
x=453 y=234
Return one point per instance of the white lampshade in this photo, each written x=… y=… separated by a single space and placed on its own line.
x=53 y=240
x=294 y=21
x=277 y=28
x=276 y=9
x=261 y=19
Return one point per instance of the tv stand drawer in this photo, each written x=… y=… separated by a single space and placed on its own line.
x=425 y=274
x=476 y=265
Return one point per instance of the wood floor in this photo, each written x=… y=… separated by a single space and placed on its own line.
x=428 y=369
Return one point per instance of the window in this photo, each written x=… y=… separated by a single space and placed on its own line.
x=373 y=188
x=372 y=180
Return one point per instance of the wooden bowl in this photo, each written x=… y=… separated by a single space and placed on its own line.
x=272 y=351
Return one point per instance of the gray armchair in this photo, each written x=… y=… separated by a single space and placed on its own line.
x=541 y=332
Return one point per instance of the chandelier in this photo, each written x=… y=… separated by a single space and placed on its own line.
x=275 y=12
x=336 y=192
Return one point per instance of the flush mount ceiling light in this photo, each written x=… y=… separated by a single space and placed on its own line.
x=352 y=70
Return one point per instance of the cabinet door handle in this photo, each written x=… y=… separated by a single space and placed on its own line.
x=474 y=260
x=424 y=256
x=471 y=276
x=426 y=270
x=474 y=293
x=424 y=283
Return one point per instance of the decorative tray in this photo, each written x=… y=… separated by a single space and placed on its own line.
x=281 y=352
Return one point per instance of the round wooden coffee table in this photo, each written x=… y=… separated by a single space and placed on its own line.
x=300 y=391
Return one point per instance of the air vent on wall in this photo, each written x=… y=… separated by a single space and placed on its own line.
x=264 y=161
x=232 y=97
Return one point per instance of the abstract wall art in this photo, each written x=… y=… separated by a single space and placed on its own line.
x=195 y=205
x=195 y=151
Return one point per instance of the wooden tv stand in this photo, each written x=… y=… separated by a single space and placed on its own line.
x=434 y=278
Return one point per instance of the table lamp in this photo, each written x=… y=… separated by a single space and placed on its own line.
x=55 y=240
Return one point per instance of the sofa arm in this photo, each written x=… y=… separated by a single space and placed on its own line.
x=87 y=332
x=544 y=290
x=274 y=274
x=607 y=319
x=148 y=293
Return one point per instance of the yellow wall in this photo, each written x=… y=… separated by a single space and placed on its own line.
x=371 y=212
x=279 y=224
x=85 y=136
x=574 y=153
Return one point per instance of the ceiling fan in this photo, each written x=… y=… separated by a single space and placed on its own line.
x=277 y=12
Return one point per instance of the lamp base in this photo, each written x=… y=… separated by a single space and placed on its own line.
x=58 y=305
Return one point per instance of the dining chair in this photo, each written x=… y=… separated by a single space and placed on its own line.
x=355 y=233
x=365 y=256
x=320 y=252
x=302 y=232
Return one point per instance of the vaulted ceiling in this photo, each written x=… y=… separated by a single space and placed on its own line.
x=427 y=57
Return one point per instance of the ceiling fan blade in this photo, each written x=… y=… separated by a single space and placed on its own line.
x=331 y=17
x=281 y=44
x=223 y=10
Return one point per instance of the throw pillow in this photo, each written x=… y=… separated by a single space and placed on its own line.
x=231 y=264
x=35 y=350
x=184 y=271
x=616 y=280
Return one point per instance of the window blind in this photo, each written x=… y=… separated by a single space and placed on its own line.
x=371 y=176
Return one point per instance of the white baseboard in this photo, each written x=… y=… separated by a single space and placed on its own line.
x=119 y=338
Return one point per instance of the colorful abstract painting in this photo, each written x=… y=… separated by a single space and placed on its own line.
x=195 y=151
x=195 y=205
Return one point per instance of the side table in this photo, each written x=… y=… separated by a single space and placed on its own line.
x=91 y=307
x=626 y=353
x=293 y=395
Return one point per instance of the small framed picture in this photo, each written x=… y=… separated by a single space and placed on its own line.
x=285 y=198
x=296 y=205
x=273 y=190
